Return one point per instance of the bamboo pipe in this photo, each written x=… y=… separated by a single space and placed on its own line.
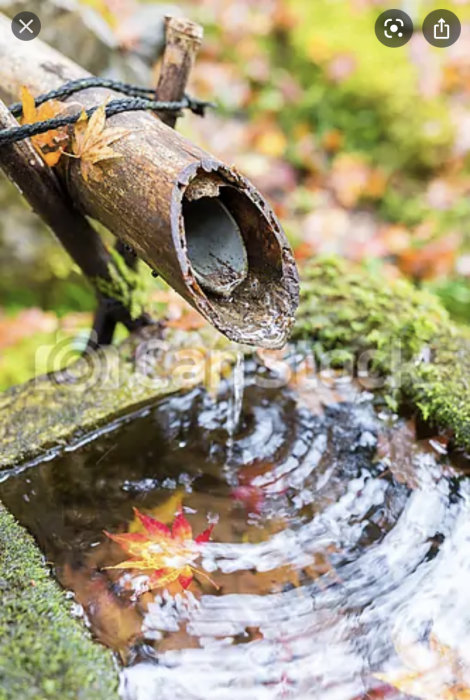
x=182 y=41
x=198 y=223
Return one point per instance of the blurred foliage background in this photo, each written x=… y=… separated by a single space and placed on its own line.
x=363 y=150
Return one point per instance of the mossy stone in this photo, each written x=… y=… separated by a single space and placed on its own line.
x=404 y=334
x=44 y=652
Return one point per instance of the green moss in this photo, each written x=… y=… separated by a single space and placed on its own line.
x=44 y=652
x=403 y=336
x=125 y=284
x=56 y=408
x=454 y=293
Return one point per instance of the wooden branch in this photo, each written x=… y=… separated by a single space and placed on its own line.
x=42 y=190
x=156 y=194
x=182 y=42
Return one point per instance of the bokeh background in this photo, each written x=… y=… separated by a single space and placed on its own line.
x=363 y=150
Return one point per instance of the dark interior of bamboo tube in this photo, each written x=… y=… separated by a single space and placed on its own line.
x=227 y=238
x=216 y=249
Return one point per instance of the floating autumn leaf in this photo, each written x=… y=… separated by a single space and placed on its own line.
x=255 y=482
x=48 y=145
x=429 y=673
x=164 y=512
x=92 y=142
x=168 y=555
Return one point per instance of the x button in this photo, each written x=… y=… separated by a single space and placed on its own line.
x=26 y=26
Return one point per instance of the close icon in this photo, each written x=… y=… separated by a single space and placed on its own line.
x=26 y=26
x=394 y=28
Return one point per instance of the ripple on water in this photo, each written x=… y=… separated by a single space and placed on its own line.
x=337 y=559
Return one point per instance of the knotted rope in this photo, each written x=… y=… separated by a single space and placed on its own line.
x=138 y=99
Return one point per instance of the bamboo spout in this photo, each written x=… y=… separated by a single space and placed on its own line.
x=195 y=221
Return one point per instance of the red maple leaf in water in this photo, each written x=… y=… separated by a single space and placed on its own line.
x=169 y=555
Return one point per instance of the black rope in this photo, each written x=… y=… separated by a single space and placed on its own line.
x=136 y=103
x=74 y=86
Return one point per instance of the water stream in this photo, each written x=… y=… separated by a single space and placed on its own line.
x=339 y=551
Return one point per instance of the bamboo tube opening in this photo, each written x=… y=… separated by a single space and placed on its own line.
x=238 y=272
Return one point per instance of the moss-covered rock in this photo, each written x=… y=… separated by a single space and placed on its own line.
x=55 y=409
x=44 y=652
x=397 y=338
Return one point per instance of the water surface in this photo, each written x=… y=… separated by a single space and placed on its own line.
x=341 y=550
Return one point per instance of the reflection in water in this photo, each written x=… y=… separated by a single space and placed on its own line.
x=341 y=551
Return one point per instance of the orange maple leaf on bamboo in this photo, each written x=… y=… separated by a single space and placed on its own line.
x=169 y=555
x=48 y=145
x=92 y=143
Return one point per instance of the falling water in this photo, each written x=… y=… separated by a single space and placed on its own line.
x=236 y=404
